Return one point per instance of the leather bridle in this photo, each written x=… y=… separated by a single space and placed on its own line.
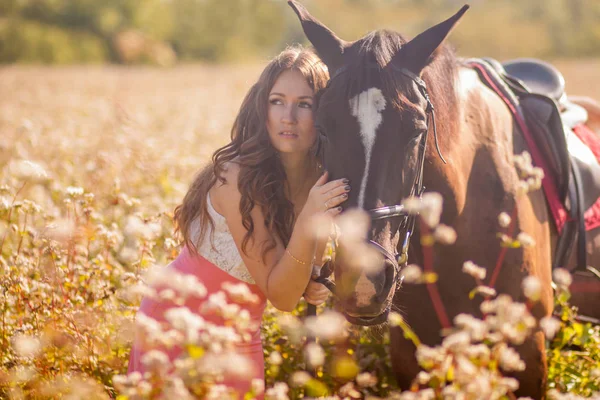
x=400 y=259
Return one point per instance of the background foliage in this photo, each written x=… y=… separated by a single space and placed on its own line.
x=161 y=31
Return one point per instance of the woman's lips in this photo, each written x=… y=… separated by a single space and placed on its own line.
x=288 y=134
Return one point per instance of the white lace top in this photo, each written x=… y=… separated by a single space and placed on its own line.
x=225 y=254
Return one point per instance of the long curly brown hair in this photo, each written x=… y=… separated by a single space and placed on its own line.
x=262 y=179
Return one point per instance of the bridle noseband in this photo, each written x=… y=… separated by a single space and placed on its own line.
x=407 y=225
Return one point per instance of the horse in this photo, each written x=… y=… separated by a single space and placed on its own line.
x=385 y=99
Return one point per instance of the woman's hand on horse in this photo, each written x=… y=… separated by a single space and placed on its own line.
x=316 y=293
x=325 y=197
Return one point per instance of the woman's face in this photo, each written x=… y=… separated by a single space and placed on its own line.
x=290 y=115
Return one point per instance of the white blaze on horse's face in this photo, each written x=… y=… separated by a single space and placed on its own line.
x=367 y=108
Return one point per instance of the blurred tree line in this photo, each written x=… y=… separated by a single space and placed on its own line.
x=163 y=31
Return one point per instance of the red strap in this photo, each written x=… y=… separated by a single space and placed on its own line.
x=559 y=213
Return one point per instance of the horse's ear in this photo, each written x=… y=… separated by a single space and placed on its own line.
x=420 y=51
x=329 y=47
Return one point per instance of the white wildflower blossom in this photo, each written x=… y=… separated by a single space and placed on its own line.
x=275 y=358
x=329 y=325
x=314 y=355
x=26 y=346
x=504 y=220
x=366 y=379
x=26 y=170
x=279 y=391
x=464 y=370
x=477 y=272
x=74 y=191
x=353 y=226
x=240 y=293
x=299 y=379
x=218 y=392
x=444 y=234
x=457 y=342
x=429 y=355
x=508 y=358
x=480 y=352
x=525 y=240
x=550 y=326
x=485 y=291
x=156 y=361
x=412 y=205
x=511 y=384
x=431 y=208
x=412 y=273
x=532 y=288
x=348 y=391
x=185 y=321
x=257 y=386
x=186 y=285
x=476 y=328
x=423 y=378
x=175 y=389
x=562 y=277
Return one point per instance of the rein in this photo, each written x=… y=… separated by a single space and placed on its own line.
x=399 y=260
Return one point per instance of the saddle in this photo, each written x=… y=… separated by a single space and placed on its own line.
x=535 y=92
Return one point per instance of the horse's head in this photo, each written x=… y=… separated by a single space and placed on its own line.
x=374 y=118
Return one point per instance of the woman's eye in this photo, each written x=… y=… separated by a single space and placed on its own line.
x=275 y=101
x=305 y=104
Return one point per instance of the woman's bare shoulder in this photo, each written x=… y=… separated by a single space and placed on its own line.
x=223 y=193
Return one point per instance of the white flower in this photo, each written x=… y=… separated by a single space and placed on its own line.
x=485 y=291
x=366 y=379
x=476 y=328
x=508 y=358
x=428 y=355
x=156 y=361
x=314 y=355
x=240 y=293
x=27 y=171
x=504 y=220
x=457 y=342
x=550 y=326
x=26 y=346
x=562 y=277
x=412 y=273
x=275 y=358
x=258 y=385
x=532 y=288
x=300 y=378
x=432 y=208
x=188 y=323
x=279 y=391
x=329 y=325
x=74 y=191
x=525 y=239
x=477 y=272
x=444 y=234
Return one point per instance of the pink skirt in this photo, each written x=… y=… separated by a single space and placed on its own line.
x=212 y=278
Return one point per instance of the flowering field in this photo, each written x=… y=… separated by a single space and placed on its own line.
x=92 y=163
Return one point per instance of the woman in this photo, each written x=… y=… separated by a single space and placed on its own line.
x=249 y=215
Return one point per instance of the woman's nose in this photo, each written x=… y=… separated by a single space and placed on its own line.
x=289 y=115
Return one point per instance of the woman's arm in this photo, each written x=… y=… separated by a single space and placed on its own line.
x=285 y=273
